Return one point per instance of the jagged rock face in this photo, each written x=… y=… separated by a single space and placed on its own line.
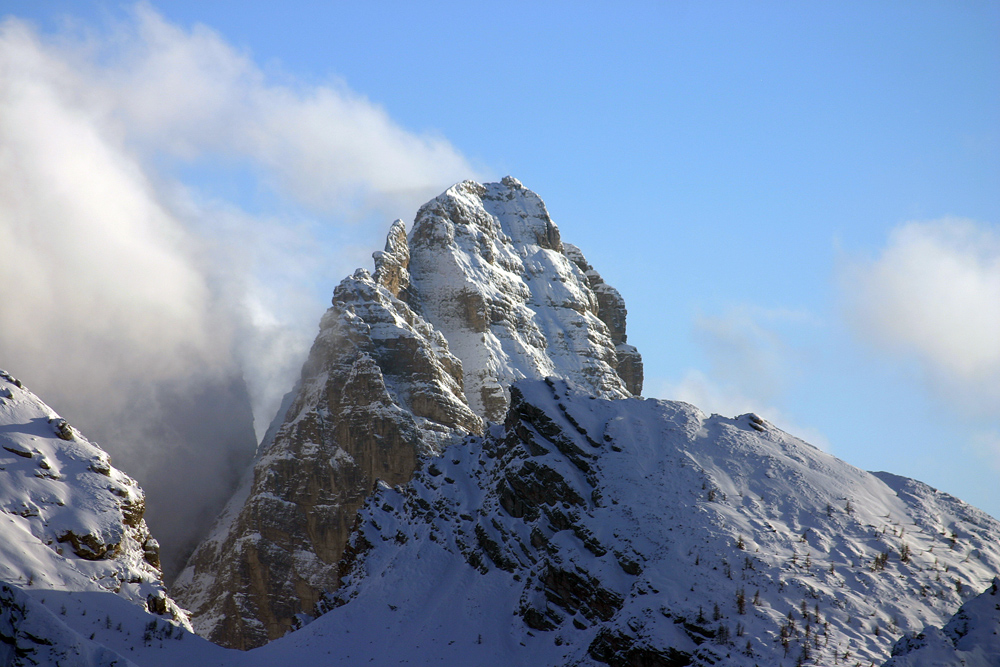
x=69 y=521
x=643 y=532
x=611 y=310
x=379 y=390
x=407 y=362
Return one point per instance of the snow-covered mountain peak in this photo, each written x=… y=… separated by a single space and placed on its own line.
x=487 y=265
x=465 y=474
x=515 y=214
x=552 y=514
x=409 y=359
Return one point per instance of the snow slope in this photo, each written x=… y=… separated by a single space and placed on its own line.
x=94 y=629
x=69 y=521
x=970 y=639
x=71 y=525
x=589 y=531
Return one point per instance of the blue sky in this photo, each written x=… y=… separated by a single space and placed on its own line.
x=800 y=202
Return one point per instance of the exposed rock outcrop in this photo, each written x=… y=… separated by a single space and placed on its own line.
x=407 y=362
x=611 y=310
x=491 y=272
x=379 y=390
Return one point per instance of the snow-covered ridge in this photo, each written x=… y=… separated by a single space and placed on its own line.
x=585 y=531
x=69 y=521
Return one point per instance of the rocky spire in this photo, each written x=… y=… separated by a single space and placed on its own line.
x=493 y=275
x=407 y=361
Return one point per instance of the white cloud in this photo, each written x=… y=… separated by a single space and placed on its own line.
x=933 y=296
x=133 y=301
x=191 y=93
x=93 y=261
x=745 y=349
x=92 y=225
x=697 y=389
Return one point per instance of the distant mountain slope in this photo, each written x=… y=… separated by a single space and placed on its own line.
x=642 y=532
x=71 y=525
x=970 y=639
x=409 y=359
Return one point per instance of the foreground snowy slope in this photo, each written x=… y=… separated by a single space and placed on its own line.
x=71 y=526
x=581 y=531
x=636 y=531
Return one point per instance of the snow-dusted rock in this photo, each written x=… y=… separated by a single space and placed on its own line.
x=379 y=390
x=69 y=521
x=611 y=310
x=490 y=271
x=407 y=362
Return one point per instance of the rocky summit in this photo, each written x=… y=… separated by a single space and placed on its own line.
x=410 y=358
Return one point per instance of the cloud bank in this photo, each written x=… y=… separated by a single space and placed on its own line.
x=151 y=311
x=933 y=297
x=189 y=93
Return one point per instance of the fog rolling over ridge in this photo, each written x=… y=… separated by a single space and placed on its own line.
x=164 y=321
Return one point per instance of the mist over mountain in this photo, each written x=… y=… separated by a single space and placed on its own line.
x=466 y=472
x=165 y=321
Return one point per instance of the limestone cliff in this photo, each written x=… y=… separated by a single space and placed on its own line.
x=491 y=273
x=408 y=361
